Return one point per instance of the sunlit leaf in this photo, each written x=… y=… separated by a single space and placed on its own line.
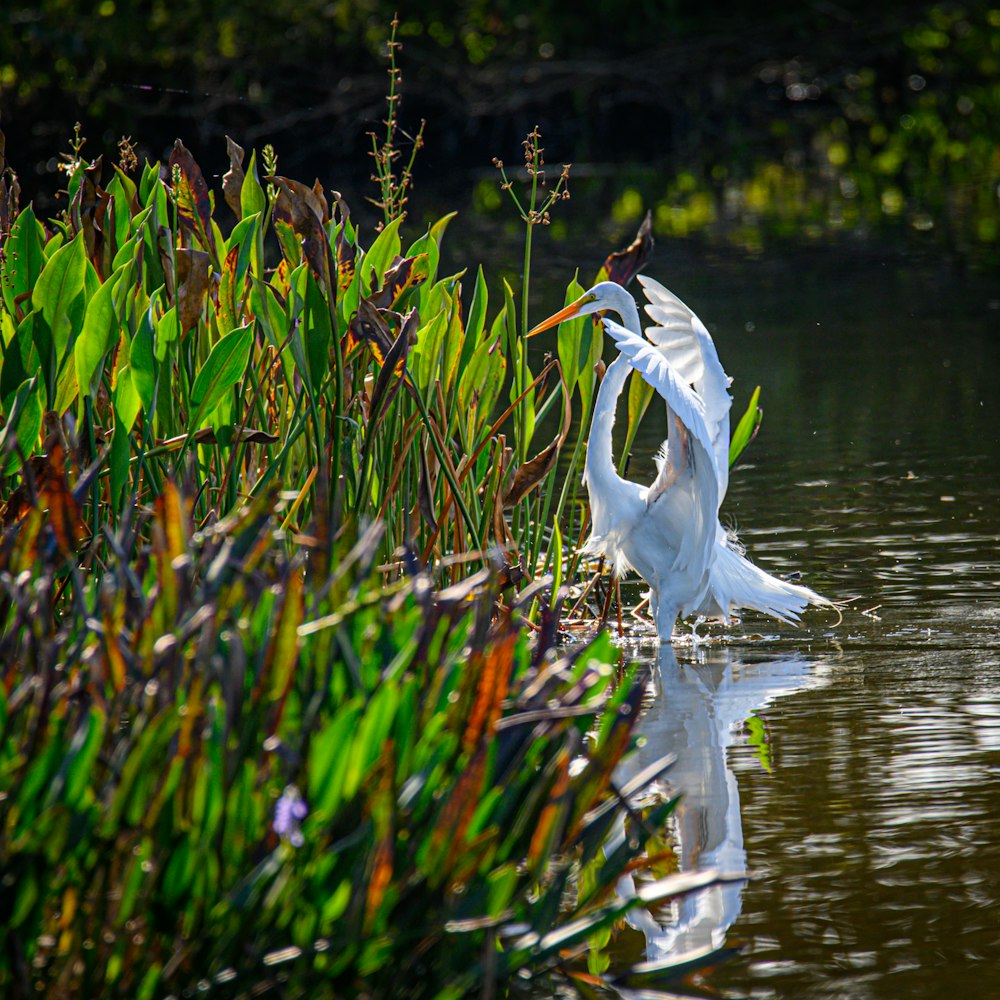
x=746 y=429
x=222 y=371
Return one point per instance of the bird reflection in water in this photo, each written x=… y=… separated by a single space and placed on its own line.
x=698 y=711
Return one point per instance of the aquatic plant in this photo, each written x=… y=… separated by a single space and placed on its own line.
x=270 y=714
x=226 y=768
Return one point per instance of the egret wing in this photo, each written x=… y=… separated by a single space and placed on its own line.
x=690 y=460
x=686 y=343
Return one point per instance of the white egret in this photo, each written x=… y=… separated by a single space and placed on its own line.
x=669 y=532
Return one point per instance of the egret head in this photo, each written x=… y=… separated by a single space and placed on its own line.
x=604 y=295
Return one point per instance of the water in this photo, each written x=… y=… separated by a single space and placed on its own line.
x=852 y=769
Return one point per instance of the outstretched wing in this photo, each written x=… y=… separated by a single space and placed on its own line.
x=685 y=342
x=686 y=488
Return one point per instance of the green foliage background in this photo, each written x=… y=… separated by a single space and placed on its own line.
x=798 y=119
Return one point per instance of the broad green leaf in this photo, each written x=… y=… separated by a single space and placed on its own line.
x=640 y=392
x=454 y=342
x=272 y=318
x=473 y=378
x=569 y=337
x=168 y=331
x=318 y=329
x=83 y=750
x=381 y=254
x=370 y=735
x=221 y=372
x=66 y=389
x=425 y=356
x=126 y=404
x=591 y=351
x=122 y=191
x=59 y=298
x=127 y=250
x=101 y=323
x=327 y=765
x=438 y=228
x=746 y=429
x=510 y=314
x=475 y=323
x=20 y=362
x=430 y=244
x=150 y=177
x=24 y=422
x=23 y=259
x=142 y=361
x=252 y=198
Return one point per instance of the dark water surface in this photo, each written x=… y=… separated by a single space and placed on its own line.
x=854 y=768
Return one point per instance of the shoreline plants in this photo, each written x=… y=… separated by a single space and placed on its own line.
x=282 y=708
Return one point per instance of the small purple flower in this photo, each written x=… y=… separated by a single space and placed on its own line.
x=289 y=813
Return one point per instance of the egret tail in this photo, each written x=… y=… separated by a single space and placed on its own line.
x=738 y=583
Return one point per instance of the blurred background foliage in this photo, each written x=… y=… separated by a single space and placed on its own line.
x=801 y=119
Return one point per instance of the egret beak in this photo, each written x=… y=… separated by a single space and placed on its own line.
x=569 y=312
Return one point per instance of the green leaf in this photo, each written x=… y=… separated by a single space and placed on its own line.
x=141 y=360
x=383 y=251
x=122 y=191
x=510 y=320
x=126 y=406
x=328 y=760
x=252 y=198
x=557 y=556
x=24 y=421
x=640 y=392
x=746 y=429
x=425 y=356
x=20 y=361
x=23 y=259
x=221 y=372
x=83 y=754
x=98 y=335
x=59 y=296
x=569 y=337
x=476 y=322
x=591 y=351
x=370 y=736
x=318 y=330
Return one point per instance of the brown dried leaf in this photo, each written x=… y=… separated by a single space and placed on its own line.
x=305 y=211
x=232 y=179
x=54 y=493
x=554 y=810
x=455 y=817
x=390 y=378
x=370 y=326
x=623 y=265
x=405 y=273
x=493 y=687
x=193 y=277
x=383 y=808
x=194 y=206
x=226 y=304
x=346 y=253
x=22 y=499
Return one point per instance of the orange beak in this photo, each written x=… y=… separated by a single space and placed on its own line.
x=569 y=312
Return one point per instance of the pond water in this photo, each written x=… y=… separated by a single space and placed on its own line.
x=852 y=768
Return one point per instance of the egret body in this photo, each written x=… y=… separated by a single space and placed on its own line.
x=669 y=532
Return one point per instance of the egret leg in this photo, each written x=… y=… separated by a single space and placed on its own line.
x=666 y=616
x=696 y=639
